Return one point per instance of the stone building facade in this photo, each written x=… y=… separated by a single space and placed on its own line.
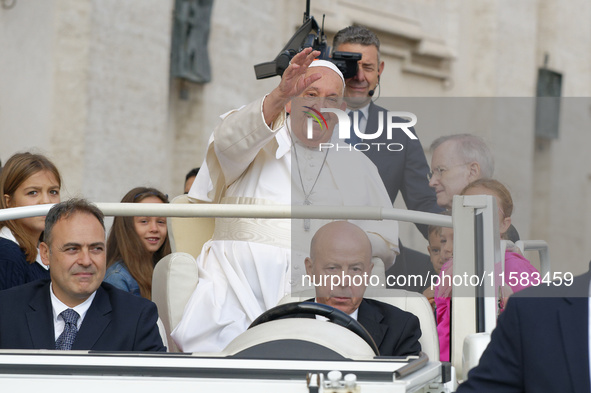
x=87 y=82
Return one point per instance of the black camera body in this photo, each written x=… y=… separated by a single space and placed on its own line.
x=346 y=62
x=308 y=35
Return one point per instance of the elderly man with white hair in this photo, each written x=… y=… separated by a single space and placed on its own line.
x=258 y=155
x=457 y=161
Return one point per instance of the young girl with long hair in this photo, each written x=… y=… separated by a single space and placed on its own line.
x=26 y=179
x=515 y=264
x=136 y=244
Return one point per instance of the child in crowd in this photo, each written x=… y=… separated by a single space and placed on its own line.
x=190 y=178
x=443 y=294
x=26 y=179
x=434 y=248
x=136 y=244
x=514 y=263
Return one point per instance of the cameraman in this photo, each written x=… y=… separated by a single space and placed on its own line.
x=403 y=171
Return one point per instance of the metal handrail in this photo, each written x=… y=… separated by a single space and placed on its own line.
x=542 y=247
x=245 y=211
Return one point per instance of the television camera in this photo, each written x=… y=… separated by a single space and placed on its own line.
x=308 y=35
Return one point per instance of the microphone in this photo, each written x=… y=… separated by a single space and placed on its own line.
x=372 y=91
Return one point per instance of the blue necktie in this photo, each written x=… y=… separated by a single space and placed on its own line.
x=66 y=339
x=354 y=138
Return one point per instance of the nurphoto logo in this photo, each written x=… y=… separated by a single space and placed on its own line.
x=316 y=115
x=394 y=121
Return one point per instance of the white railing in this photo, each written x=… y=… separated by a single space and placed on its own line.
x=467 y=241
x=246 y=211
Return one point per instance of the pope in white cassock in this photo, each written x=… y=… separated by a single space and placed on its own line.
x=259 y=156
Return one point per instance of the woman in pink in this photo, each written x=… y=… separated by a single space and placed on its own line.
x=514 y=262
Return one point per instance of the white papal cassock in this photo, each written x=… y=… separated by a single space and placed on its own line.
x=245 y=268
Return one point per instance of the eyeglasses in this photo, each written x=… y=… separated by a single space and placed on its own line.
x=438 y=171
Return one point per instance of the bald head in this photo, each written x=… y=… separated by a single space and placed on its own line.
x=339 y=249
x=340 y=235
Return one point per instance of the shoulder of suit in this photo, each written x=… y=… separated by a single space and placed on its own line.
x=10 y=249
x=120 y=297
x=24 y=292
x=375 y=107
x=389 y=309
x=577 y=288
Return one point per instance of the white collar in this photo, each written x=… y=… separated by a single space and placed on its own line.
x=355 y=314
x=58 y=306
x=6 y=233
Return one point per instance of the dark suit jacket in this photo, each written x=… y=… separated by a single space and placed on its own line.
x=395 y=332
x=115 y=321
x=14 y=268
x=404 y=171
x=540 y=344
x=410 y=264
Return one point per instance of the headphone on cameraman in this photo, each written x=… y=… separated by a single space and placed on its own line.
x=372 y=91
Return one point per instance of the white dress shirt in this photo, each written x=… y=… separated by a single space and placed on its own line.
x=58 y=307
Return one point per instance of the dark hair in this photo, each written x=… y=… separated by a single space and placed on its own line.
x=64 y=210
x=193 y=172
x=17 y=170
x=512 y=234
x=125 y=245
x=356 y=35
